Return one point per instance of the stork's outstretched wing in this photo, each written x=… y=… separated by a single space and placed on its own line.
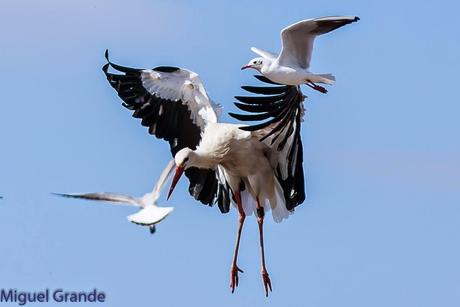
x=171 y=101
x=174 y=105
x=281 y=106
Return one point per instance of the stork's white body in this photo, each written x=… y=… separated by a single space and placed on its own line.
x=241 y=157
x=227 y=164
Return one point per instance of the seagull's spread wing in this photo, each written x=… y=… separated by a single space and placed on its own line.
x=297 y=39
x=152 y=197
x=281 y=106
x=264 y=54
x=174 y=105
x=106 y=196
x=122 y=199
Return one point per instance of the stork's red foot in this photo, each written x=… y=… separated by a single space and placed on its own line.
x=267 y=282
x=234 y=276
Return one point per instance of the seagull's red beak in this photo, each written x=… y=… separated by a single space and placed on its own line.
x=246 y=66
x=179 y=171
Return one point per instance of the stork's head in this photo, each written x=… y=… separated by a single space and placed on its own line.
x=255 y=63
x=184 y=159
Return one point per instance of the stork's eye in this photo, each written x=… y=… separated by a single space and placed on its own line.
x=185 y=160
x=255 y=62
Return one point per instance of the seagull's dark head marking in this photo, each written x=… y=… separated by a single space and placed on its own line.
x=255 y=63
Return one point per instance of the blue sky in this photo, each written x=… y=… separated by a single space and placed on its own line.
x=380 y=226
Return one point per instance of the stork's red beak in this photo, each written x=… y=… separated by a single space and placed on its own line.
x=246 y=66
x=179 y=171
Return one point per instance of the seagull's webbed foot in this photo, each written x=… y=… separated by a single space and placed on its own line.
x=320 y=89
x=317 y=87
x=267 y=281
x=234 y=276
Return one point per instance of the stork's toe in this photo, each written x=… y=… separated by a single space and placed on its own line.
x=234 y=279
x=267 y=282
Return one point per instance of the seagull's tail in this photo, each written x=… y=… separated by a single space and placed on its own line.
x=150 y=215
x=326 y=78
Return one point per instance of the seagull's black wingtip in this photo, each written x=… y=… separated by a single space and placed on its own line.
x=68 y=195
x=62 y=195
x=106 y=54
x=356 y=18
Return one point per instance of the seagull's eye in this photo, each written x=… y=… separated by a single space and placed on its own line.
x=255 y=62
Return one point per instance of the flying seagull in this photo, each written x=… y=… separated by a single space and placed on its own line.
x=254 y=168
x=291 y=65
x=150 y=214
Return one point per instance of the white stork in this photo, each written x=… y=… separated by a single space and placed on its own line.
x=292 y=64
x=256 y=168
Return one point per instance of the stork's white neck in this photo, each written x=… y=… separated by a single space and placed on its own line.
x=203 y=159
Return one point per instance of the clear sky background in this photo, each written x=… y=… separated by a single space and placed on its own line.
x=380 y=226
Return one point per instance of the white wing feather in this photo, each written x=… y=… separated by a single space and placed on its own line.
x=118 y=199
x=297 y=39
x=264 y=54
x=184 y=85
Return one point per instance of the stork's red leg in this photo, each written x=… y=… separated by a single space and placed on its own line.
x=317 y=87
x=235 y=269
x=260 y=221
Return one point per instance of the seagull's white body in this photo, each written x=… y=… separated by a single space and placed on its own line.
x=293 y=75
x=291 y=65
